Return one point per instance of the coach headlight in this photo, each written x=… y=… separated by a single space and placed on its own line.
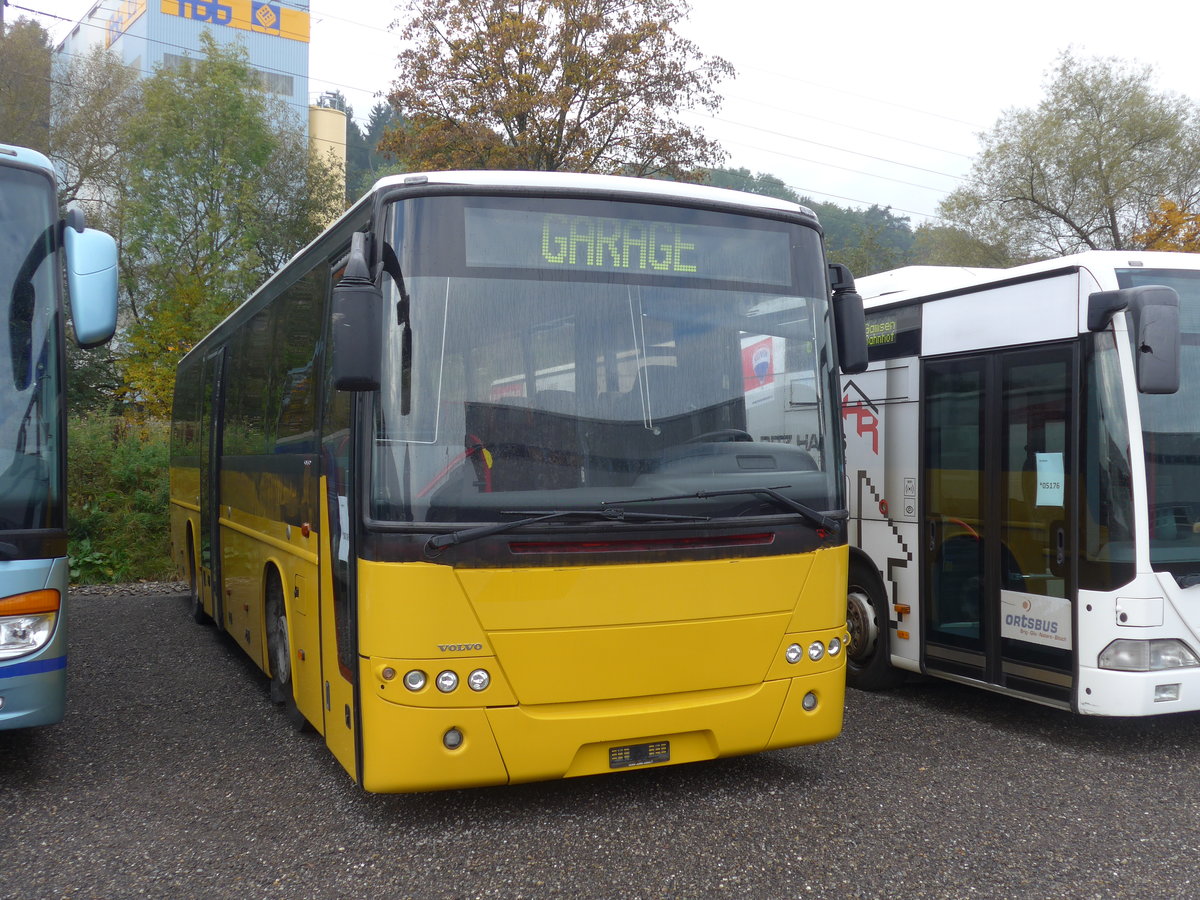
x=816 y=650
x=27 y=622
x=1127 y=655
x=794 y=653
x=835 y=646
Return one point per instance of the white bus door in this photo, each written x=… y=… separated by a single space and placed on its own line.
x=998 y=535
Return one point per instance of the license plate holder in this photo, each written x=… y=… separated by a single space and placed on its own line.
x=631 y=755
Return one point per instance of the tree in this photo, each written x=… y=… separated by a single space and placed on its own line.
x=225 y=190
x=95 y=97
x=741 y=180
x=1170 y=228
x=25 y=85
x=554 y=85
x=944 y=245
x=1083 y=169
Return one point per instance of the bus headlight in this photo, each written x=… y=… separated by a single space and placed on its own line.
x=447 y=681
x=479 y=680
x=816 y=650
x=793 y=653
x=25 y=634
x=27 y=622
x=1126 y=655
x=835 y=646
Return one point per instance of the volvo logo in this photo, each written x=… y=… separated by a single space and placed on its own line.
x=459 y=648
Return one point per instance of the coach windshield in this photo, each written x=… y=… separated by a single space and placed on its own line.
x=30 y=488
x=568 y=354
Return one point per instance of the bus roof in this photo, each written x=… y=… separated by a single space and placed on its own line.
x=25 y=157
x=909 y=282
x=652 y=187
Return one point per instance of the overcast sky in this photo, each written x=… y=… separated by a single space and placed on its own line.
x=857 y=103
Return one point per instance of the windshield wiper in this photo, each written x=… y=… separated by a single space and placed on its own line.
x=829 y=519
x=609 y=513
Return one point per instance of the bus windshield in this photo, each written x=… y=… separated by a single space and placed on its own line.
x=30 y=489
x=1171 y=431
x=561 y=354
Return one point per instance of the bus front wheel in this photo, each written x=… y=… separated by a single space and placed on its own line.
x=868 y=666
x=279 y=651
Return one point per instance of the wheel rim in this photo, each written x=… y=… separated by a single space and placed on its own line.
x=861 y=623
x=277 y=636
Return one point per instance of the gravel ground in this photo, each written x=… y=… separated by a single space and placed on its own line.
x=173 y=776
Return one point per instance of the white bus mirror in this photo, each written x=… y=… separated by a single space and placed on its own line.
x=91 y=284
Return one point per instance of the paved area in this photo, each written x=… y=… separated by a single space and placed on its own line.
x=173 y=776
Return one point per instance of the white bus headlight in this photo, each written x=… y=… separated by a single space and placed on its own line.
x=25 y=634
x=27 y=622
x=1147 y=656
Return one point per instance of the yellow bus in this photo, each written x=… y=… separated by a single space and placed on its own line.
x=518 y=476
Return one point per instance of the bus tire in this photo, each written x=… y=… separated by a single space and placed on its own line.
x=868 y=663
x=199 y=616
x=279 y=651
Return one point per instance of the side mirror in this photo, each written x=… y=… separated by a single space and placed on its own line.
x=1154 y=321
x=849 y=321
x=356 y=316
x=91 y=284
x=1155 y=313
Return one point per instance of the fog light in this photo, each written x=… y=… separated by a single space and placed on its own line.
x=1166 y=692
x=835 y=646
x=816 y=650
x=452 y=739
x=809 y=702
x=414 y=680
x=447 y=681
x=479 y=680
x=793 y=653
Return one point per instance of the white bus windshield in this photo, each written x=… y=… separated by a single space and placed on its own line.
x=30 y=493
x=568 y=354
x=1171 y=432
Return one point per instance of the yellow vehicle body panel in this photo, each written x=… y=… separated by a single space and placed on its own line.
x=587 y=661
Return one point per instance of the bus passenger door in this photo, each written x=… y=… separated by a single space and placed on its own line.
x=998 y=546
x=211 y=425
x=339 y=646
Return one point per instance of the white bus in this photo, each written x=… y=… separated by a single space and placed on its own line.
x=1024 y=458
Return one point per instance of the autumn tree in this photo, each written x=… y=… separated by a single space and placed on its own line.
x=554 y=85
x=225 y=190
x=1085 y=167
x=1171 y=228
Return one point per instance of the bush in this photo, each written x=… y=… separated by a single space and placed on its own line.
x=118 y=490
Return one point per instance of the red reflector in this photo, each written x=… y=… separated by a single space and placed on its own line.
x=642 y=544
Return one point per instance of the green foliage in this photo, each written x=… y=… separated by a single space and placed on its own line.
x=1085 y=168
x=95 y=97
x=222 y=190
x=118 y=490
x=742 y=180
x=553 y=85
x=25 y=85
